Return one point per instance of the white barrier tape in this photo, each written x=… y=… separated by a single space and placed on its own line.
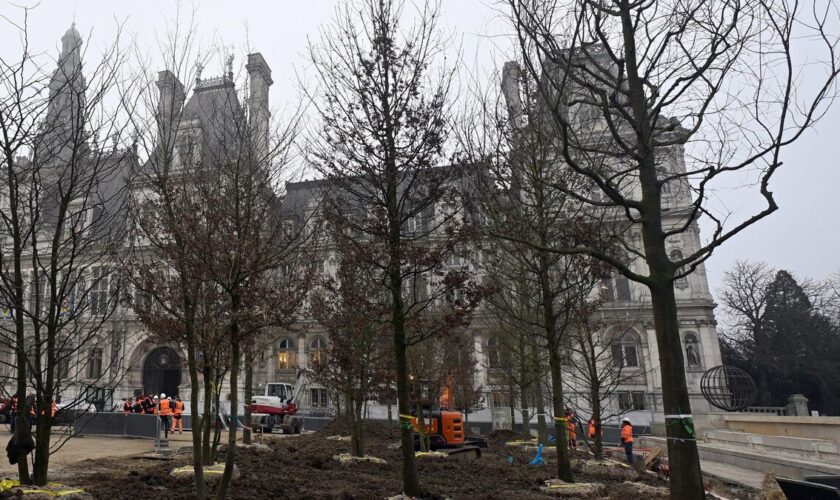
x=678 y=417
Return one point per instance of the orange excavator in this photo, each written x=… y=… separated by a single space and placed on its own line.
x=444 y=429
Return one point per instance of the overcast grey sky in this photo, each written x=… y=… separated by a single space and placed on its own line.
x=803 y=236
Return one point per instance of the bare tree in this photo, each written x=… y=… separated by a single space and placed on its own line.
x=61 y=221
x=383 y=109
x=597 y=361
x=653 y=101
x=359 y=357
x=212 y=242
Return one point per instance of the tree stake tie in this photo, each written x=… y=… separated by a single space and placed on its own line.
x=687 y=421
x=405 y=421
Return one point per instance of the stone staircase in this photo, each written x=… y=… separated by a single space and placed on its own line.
x=733 y=456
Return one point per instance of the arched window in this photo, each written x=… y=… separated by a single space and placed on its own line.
x=677 y=255
x=625 y=351
x=286 y=355
x=316 y=351
x=493 y=352
x=692 y=351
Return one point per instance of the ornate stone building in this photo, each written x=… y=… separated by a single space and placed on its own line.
x=135 y=362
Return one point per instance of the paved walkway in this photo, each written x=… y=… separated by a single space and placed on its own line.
x=729 y=473
x=80 y=448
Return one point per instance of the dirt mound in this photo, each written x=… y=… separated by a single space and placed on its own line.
x=303 y=467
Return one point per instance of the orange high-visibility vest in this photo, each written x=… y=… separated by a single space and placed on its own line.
x=627 y=434
x=164 y=409
x=591 y=429
x=179 y=407
x=571 y=428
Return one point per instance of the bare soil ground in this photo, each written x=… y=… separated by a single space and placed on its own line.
x=302 y=467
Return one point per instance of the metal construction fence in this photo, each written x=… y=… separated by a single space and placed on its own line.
x=122 y=424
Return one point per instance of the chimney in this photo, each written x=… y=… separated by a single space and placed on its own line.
x=169 y=108
x=259 y=76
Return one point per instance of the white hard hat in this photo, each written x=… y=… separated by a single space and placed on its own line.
x=162 y=395
x=625 y=419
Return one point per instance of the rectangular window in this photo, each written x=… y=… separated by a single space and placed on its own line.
x=631 y=400
x=94 y=368
x=286 y=360
x=624 y=355
x=64 y=356
x=499 y=399
x=98 y=294
x=37 y=288
x=319 y=398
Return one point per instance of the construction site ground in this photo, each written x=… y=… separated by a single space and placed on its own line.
x=302 y=466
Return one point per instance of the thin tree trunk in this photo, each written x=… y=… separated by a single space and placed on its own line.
x=542 y=430
x=197 y=417
x=356 y=430
x=208 y=422
x=249 y=395
x=230 y=456
x=411 y=483
x=597 y=440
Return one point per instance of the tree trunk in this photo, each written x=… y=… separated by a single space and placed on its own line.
x=542 y=430
x=40 y=469
x=597 y=439
x=411 y=483
x=23 y=433
x=356 y=429
x=249 y=395
x=564 y=467
x=230 y=456
x=209 y=418
x=686 y=478
x=195 y=413
x=526 y=414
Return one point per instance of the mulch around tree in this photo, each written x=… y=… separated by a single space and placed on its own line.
x=303 y=467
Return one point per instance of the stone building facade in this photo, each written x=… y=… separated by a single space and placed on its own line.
x=138 y=363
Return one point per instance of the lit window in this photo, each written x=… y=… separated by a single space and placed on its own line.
x=317 y=351
x=286 y=355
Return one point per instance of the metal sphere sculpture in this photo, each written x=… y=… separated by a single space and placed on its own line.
x=728 y=388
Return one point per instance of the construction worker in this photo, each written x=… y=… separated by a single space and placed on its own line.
x=177 y=412
x=126 y=406
x=570 y=427
x=137 y=407
x=591 y=430
x=148 y=405
x=165 y=411
x=627 y=439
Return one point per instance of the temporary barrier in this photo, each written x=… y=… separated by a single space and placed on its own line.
x=117 y=424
